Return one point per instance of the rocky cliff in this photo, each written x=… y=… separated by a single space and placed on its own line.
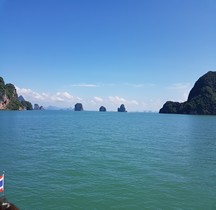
x=201 y=99
x=37 y=107
x=122 y=108
x=9 y=99
x=102 y=109
x=78 y=107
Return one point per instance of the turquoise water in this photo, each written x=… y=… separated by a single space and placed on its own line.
x=93 y=160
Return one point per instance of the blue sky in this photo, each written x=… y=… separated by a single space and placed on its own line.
x=106 y=52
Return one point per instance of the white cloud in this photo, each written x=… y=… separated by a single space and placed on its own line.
x=139 y=85
x=61 y=98
x=143 y=85
x=28 y=93
x=117 y=100
x=179 y=91
x=45 y=95
x=98 y=99
x=65 y=99
x=84 y=85
x=180 y=86
x=67 y=95
x=79 y=99
x=134 y=102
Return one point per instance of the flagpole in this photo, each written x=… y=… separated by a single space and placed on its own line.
x=4 y=184
x=3 y=192
x=2 y=196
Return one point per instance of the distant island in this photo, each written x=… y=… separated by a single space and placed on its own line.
x=102 y=109
x=122 y=108
x=78 y=107
x=201 y=99
x=37 y=107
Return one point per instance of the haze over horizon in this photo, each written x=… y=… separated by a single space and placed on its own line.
x=138 y=53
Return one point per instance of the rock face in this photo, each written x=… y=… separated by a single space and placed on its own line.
x=102 y=109
x=26 y=104
x=122 y=108
x=8 y=97
x=37 y=107
x=201 y=99
x=78 y=107
x=20 y=98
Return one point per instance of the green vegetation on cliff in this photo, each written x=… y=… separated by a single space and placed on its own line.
x=9 y=98
x=201 y=99
x=27 y=105
x=2 y=89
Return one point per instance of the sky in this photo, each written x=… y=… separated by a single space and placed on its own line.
x=140 y=53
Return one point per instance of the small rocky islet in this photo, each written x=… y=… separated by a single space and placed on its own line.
x=102 y=109
x=122 y=108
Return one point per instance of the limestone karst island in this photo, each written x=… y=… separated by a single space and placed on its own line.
x=201 y=99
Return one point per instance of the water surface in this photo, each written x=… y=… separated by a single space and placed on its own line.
x=93 y=160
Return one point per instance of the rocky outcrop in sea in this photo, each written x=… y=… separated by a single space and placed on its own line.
x=122 y=108
x=78 y=107
x=37 y=107
x=201 y=99
x=102 y=109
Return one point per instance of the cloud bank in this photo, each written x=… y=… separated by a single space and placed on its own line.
x=174 y=92
x=65 y=99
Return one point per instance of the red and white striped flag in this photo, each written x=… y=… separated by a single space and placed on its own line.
x=2 y=183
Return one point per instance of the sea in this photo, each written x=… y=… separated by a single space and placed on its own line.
x=108 y=160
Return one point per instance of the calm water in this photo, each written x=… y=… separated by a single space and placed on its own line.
x=92 y=160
